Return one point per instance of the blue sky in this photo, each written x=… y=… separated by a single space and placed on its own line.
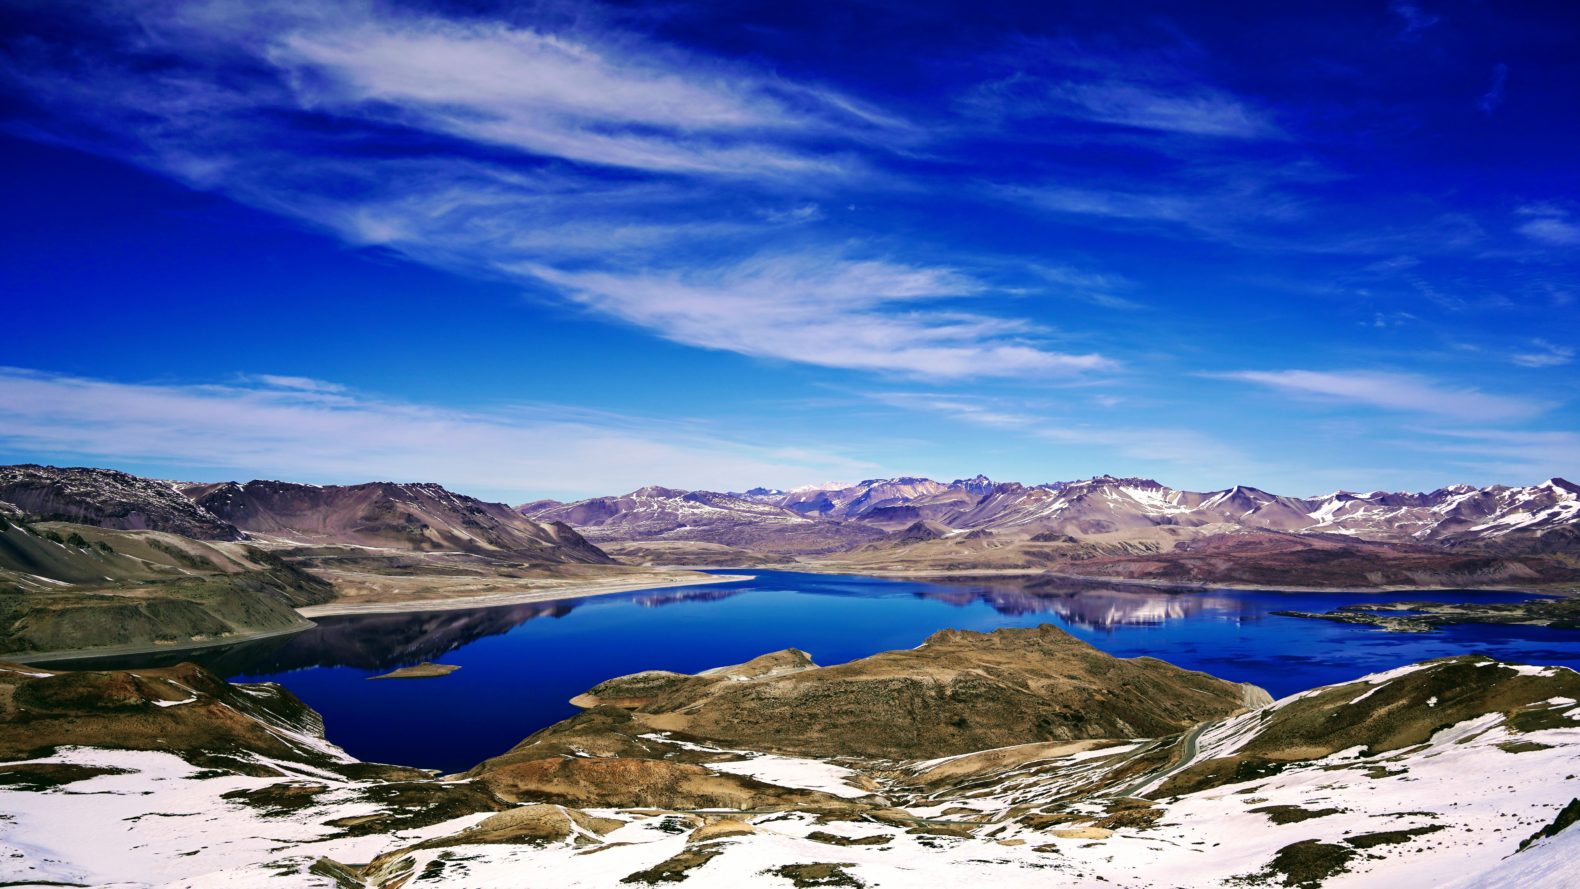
x=559 y=249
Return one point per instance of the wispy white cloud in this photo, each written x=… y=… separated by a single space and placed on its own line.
x=300 y=384
x=1153 y=94
x=551 y=95
x=1094 y=287
x=1544 y=354
x=1502 y=454
x=1245 y=208
x=1199 y=112
x=326 y=433
x=1549 y=224
x=796 y=215
x=1413 y=18
x=1385 y=320
x=679 y=255
x=827 y=310
x=1180 y=447
x=1409 y=393
x=1114 y=204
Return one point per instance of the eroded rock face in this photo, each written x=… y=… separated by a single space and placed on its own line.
x=958 y=692
x=109 y=499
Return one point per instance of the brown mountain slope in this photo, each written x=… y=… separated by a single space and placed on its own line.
x=417 y=517
x=108 y=499
x=67 y=587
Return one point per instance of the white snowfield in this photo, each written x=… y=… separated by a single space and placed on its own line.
x=163 y=823
x=1471 y=795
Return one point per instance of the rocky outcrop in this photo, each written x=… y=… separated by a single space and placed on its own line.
x=109 y=499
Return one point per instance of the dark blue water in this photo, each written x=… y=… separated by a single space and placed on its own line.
x=520 y=664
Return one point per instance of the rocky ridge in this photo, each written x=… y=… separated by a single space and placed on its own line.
x=106 y=498
x=666 y=514
x=415 y=517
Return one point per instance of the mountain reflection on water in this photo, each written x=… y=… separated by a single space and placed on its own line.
x=386 y=641
x=1098 y=609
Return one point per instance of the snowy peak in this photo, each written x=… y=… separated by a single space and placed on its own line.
x=978 y=484
x=1108 y=505
x=658 y=513
x=1562 y=486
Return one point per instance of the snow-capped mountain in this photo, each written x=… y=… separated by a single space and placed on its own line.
x=658 y=513
x=1455 y=513
x=1546 y=516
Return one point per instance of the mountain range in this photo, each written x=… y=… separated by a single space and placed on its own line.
x=1106 y=527
x=1539 y=516
x=108 y=559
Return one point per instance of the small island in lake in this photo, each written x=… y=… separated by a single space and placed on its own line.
x=424 y=670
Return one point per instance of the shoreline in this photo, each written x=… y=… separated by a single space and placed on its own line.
x=968 y=575
x=306 y=614
x=583 y=591
x=552 y=594
x=82 y=654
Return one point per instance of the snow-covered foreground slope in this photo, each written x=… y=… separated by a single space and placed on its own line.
x=153 y=819
x=1462 y=761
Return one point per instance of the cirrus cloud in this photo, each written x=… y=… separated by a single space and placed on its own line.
x=1409 y=393
x=829 y=311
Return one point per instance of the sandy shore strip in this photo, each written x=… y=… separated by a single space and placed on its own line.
x=569 y=590
x=78 y=654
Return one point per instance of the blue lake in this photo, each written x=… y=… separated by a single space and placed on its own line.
x=521 y=663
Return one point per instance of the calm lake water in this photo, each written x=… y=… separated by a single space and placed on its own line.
x=521 y=663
